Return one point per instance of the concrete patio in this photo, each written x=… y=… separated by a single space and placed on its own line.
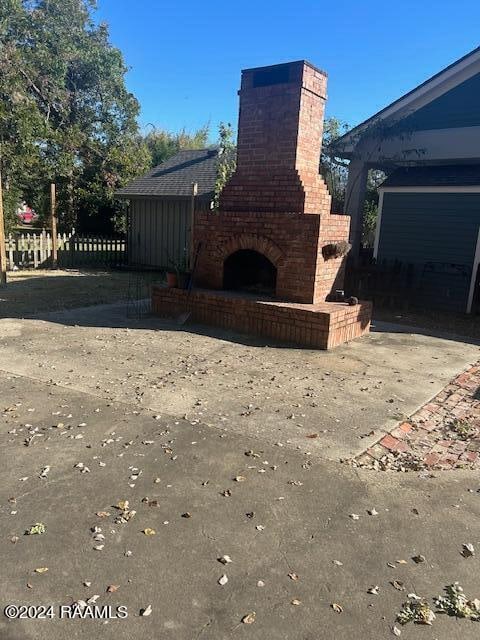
x=246 y=385
x=168 y=414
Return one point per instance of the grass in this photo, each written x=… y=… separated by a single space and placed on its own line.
x=28 y=293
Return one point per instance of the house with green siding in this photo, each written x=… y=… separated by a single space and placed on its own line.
x=428 y=144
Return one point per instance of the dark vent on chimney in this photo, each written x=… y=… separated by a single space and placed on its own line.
x=275 y=75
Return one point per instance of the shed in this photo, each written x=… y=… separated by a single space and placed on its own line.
x=160 y=207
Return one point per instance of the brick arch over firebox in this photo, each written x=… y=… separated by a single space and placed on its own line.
x=254 y=242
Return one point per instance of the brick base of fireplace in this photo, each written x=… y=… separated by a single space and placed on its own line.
x=323 y=325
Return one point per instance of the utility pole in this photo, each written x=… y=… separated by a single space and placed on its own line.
x=3 y=252
x=53 y=204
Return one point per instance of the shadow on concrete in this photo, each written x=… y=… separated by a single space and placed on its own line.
x=117 y=316
x=379 y=326
x=57 y=299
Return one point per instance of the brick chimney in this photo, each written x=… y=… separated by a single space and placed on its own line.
x=279 y=142
x=263 y=207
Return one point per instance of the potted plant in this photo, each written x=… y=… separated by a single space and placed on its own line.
x=179 y=275
x=172 y=280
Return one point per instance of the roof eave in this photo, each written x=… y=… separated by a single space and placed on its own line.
x=470 y=60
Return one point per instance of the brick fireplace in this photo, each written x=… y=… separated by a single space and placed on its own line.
x=274 y=252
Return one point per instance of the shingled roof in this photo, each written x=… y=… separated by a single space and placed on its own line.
x=175 y=176
x=434 y=176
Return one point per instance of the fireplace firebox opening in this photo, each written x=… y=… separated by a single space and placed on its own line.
x=249 y=271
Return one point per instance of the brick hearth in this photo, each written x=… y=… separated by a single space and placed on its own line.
x=274 y=232
x=323 y=325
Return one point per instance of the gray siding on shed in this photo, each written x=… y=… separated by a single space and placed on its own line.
x=159 y=231
x=436 y=232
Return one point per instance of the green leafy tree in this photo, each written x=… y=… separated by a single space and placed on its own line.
x=370 y=206
x=22 y=125
x=333 y=169
x=164 y=144
x=335 y=173
x=227 y=162
x=74 y=118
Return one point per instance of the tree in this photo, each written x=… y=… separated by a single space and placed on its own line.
x=163 y=144
x=75 y=120
x=21 y=123
x=335 y=173
x=333 y=169
x=227 y=162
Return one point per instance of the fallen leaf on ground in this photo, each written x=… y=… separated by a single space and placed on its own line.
x=187 y=514
x=41 y=570
x=293 y=576
x=296 y=602
x=149 y=532
x=374 y=590
x=147 y=611
x=418 y=559
x=36 y=529
x=468 y=550
x=337 y=607
x=249 y=618
x=397 y=585
x=417 y=611
x=225 y=559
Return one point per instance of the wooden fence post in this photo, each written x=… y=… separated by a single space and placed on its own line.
x=3 y=252
x=192 y=224
x=11 y=248
x=53 y=204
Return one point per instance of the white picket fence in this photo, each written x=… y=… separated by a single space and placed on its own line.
x=33 y=249
x=27 y=250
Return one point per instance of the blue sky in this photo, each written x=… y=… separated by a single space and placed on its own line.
x=185 y=57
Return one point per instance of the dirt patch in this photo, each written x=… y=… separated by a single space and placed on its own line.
x=31 y=292
x=459 y=324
